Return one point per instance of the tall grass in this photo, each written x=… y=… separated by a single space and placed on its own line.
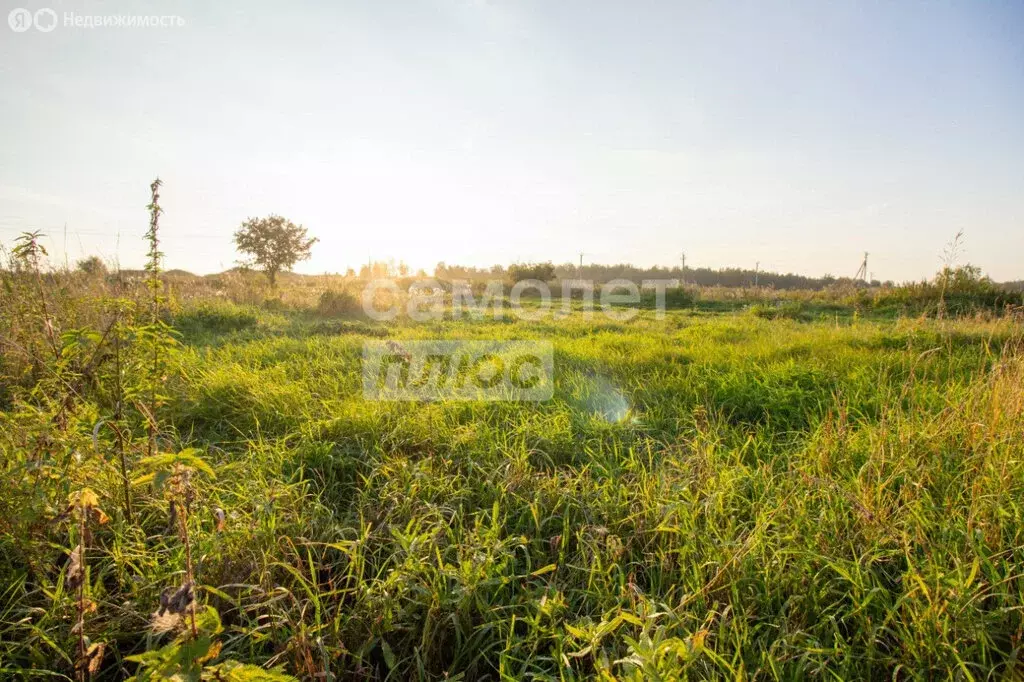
x=706 y=496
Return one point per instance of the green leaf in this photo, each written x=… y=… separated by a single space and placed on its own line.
x=577 y=633
x=233 y=671
x=208 y=621
x=144 y=479
x=389 y=655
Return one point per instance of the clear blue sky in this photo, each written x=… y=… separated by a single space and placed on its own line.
x=797 y=134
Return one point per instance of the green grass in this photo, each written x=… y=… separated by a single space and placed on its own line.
x=706 y=496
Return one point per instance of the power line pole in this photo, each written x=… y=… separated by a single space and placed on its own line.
x=580 y=271
x=862 y=271
x=757 y=272
x=682 y=272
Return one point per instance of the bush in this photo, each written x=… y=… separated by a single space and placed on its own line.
x=274 y=304
x=335 y=303
x=675 y=299
x=544 y=272
x=92 y=266
x=956 y=292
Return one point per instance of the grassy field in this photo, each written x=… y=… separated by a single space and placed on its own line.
x=708 y=495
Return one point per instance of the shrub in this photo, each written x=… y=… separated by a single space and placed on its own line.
x=675 y=299
x=334 y=303
x=274 y=303
x=92 y=266
x=544 y=272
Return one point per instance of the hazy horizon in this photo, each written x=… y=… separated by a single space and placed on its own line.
x=473 y=132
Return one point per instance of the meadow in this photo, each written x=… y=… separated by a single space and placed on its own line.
x=741 y=492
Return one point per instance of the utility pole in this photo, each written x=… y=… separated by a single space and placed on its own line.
x=862 y=271
x=757 y=272
x=682 y=273
x=580 y=271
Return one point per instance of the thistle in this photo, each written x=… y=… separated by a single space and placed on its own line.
x=84 y=507
x=172 y=476
x=155 y=286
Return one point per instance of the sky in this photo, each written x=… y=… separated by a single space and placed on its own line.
x=797 y=135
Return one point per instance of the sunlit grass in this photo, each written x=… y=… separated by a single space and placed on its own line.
x=705 y=496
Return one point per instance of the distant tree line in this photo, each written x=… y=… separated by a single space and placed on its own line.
x=723 y=277
x=546 y=271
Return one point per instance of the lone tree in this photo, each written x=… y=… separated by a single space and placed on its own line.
x=273 y=244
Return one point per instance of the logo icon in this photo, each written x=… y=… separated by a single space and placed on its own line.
x=20 y=20
x=45 y=20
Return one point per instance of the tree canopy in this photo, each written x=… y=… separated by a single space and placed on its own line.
x=545 y=272
x=273 y=244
